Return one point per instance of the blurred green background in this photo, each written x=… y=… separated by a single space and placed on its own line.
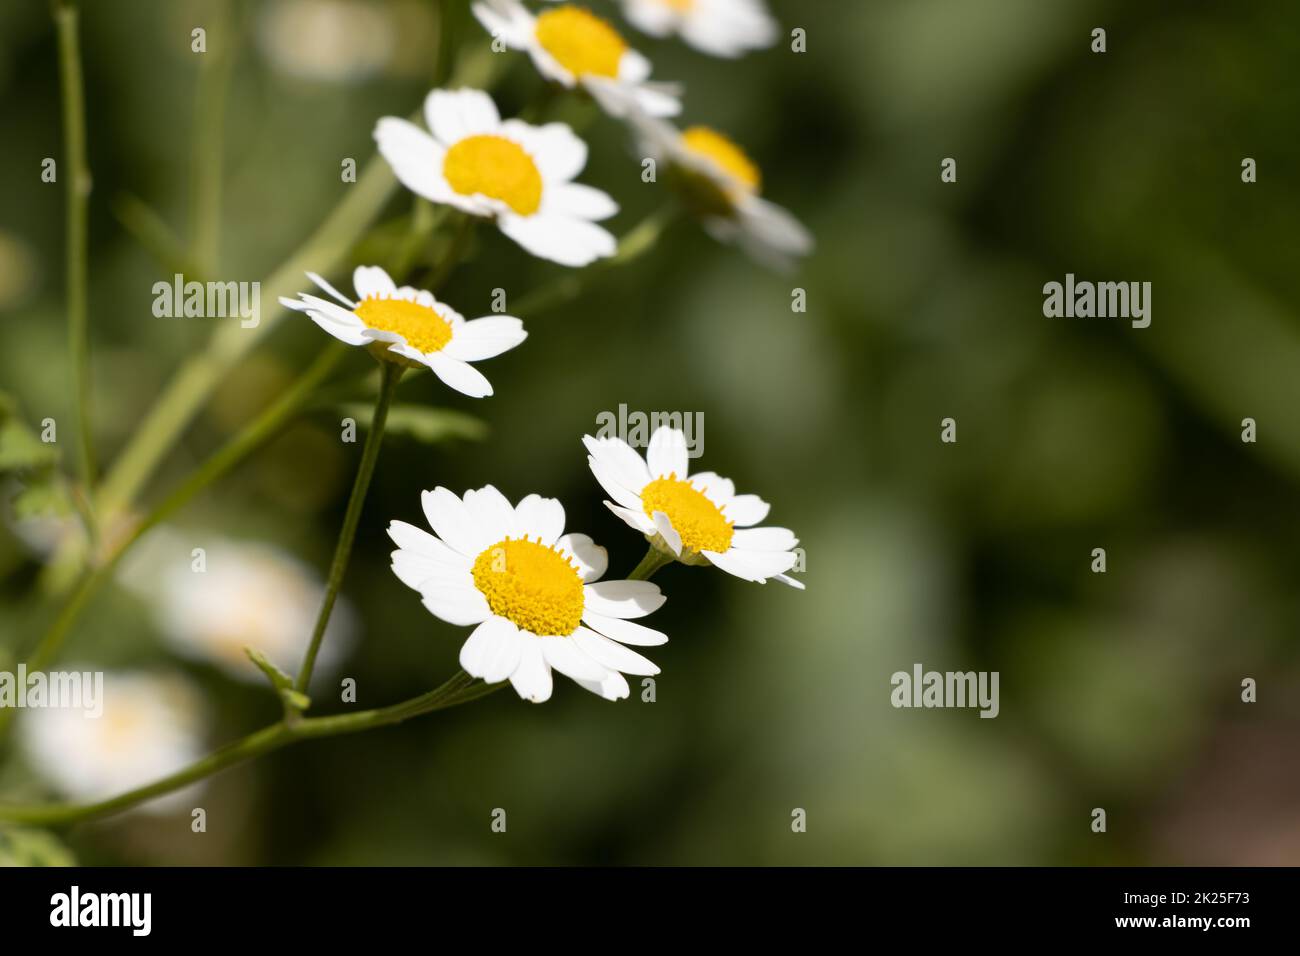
x=1118 y=690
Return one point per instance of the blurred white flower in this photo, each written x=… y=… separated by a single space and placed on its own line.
x=151 y=726
x=247 y=595
x=696 y=519
x=411 y=327
x=721 y=185
x=574 y=47
x=338 y=41
x=718 y=27
x=518 y=174
x=530 y=592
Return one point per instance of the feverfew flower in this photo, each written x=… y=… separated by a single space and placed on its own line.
x=149 y=728
x=719 y=27
x=411 y=327
x=697 y=519
x=574 y=47
x=513 y=172
x=530 y=592
x=721 y=185
x=243 y=594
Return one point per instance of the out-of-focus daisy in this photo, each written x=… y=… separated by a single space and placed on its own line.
x=333 y=40
x=150 y=727
x=530 y=592
x=246 y=595
x=718 y=27
x=574 y=47
x=518 y=174
x=411 y=327
x=697 y=519
x=721 y=185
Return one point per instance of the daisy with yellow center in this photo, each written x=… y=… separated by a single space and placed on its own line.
x=696 y=519
x=531 y=593
x=719 y=27
x=507 y=170
x=721 y=184
x=572 y=46
x=409 y=326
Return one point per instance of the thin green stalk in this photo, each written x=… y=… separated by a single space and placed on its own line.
x=252 y=437
x=343 y=550
x=654 y=560
x=460 y=689
x=77 y=175
x=215 y=70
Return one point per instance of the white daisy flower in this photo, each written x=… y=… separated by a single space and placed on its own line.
x=697 y=519
x=519 y=174
x=719 y=27
x=721 y=185
x=411 y=327
x=248 y=594
x=574 y=47
x=530 y=592
x=150 y=727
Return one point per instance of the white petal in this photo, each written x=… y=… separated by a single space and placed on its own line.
x=484 y=338
x=453 y=115
x=416 y=159
x=613 y=687
x=532 y=678
x=372 y=281
x=786 y=579
x=493 y=651
x=410 y=538
x=717 y=489
x=637 y=520
x=579 y=201
x=462 y=606
x=331 y=290
x=563 y=654
x=558 y=152
x=764 y=539
x=621 y=458
x=623 y=599
x=625 y=632
x=536 y=516
x=617 y=490
x=667 y=453
x=422 y=573
x=667 y=532
x=570 y=242
x=746 y=510
x=613 y=655
x=491 y=513
x=591 y=558
x=458 y=375
x=452 y=522
x=752 y=565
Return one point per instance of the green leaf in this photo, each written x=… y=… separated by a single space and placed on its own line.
x=278 y=678
x=21 y=847
x=428 y=425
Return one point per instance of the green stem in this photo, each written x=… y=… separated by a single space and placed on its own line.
x=654 y=560
x=252 y=437
x=209 y=110
x=77 y=176
x=460 y=689
x=343 y=550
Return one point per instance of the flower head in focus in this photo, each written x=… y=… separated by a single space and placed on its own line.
x=530 y=592
x=696 y=519
x=718 y=27
x=150 y=727
x=248 y=594
x=721 y=185
x=573 y=47
x=507 y=170
x=411 y=327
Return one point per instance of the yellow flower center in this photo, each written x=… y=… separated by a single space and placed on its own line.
x=422 y=327
x=496 y=167
x=709 y=143
x=531 y=585
x=580 y=41
x=698 y=520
